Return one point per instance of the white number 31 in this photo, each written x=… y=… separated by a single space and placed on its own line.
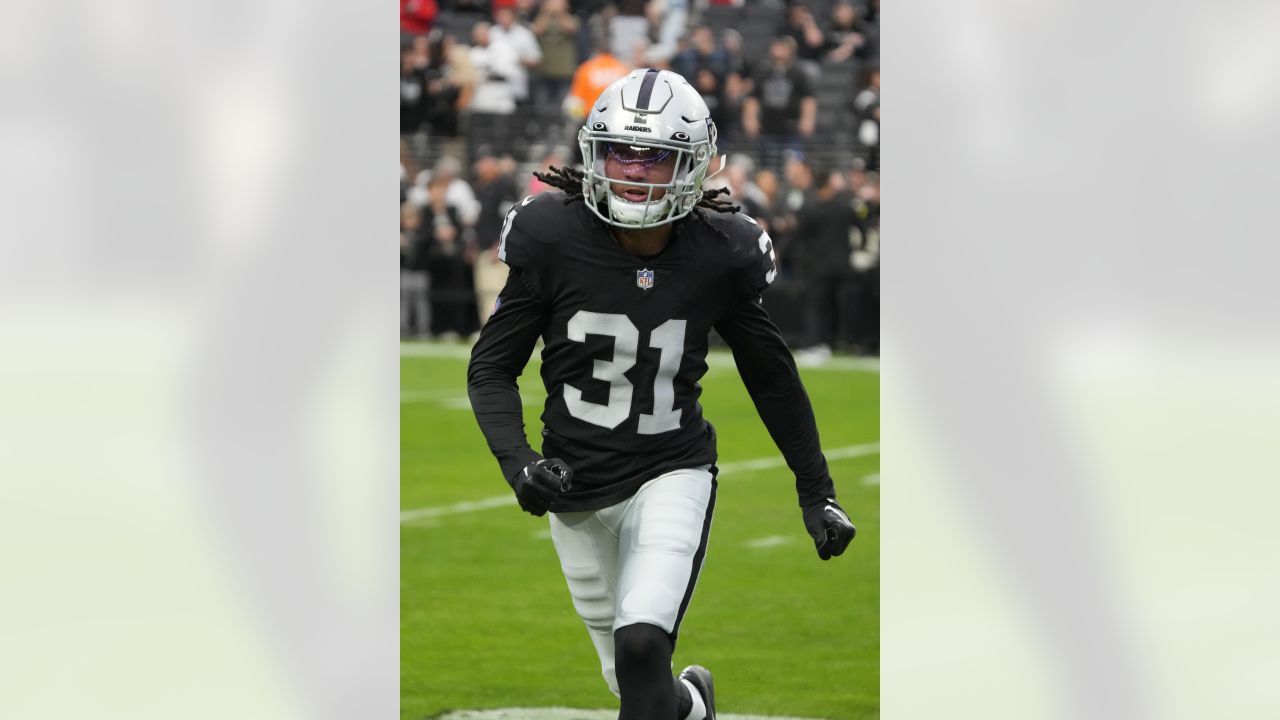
x=667 y=338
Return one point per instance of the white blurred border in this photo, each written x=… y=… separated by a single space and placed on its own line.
x=198 y=366
x=1080 y=380
x=198 y=361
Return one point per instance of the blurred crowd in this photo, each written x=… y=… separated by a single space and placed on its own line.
x=494 y=89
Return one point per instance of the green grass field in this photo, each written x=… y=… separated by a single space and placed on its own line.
x=485 y=617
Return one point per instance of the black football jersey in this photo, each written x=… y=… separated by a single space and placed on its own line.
x=625 y=341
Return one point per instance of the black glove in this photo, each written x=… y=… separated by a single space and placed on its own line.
x=540 y=483
x=829 y=526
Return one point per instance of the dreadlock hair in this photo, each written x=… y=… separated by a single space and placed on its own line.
x=569 y=180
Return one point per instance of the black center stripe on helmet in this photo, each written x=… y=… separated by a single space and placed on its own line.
x=646 y=89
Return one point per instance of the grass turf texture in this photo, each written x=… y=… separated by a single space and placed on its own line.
x=485 y=617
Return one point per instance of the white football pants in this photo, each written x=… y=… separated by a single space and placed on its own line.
x=637 y=561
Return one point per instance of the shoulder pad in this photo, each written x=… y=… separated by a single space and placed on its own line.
x=530 y=226
x=750 y=249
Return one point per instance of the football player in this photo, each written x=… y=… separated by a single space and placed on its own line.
x=623 y=274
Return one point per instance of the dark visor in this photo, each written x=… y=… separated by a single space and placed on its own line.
x=632 y=154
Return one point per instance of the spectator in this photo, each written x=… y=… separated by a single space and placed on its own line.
x=558 y=157
x=496 y=65
x=798 y=187
x=824 y=228
x=456 y=58
x=640 y=54
x=458 y=193
x=408 y=169
x=556 y=29
x=737 y=177
x=421 y=45
x=733 y=94
x=413 y=101
x=865 y=321
x=629 y=28
x=705 y=66
x=470 y=12
x=415 y=311
x=670 y=17
x=866 y=110
x=754 y=201
x=591 y=78
x=865 y=187
x=735 y=87
x=871 y=31
x=845 y=40
x=781 y=110
x=810 y=42
x=526 y=10
x=590 y=24
x=443 y=94
x=795 y=193
x=496 y=192
x=771 y=207
x=864 y=330
x=708 y=85
x=702 y=54
x=417 y=17
x=736 y=62
x=869 y=97
x=507 y=31
x=452 y=302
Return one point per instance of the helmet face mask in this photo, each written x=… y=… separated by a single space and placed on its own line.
x=647 y=145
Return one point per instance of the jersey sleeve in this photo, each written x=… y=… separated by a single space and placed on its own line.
x=762 y=265
x=497 y=360
x=514 y=242
x=526 y=240
x=751 y=253
x=769 y=373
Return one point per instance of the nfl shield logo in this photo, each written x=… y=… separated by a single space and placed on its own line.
x=644 y=279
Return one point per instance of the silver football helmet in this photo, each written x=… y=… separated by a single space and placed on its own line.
x=653 y=132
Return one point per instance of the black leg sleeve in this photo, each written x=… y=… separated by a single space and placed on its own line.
x=643 y=658
x=684 y=702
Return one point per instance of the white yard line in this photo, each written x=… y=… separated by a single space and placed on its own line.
x=416 y=396
x=408 y=516
x=768 y=542
x=840 y=453
x=570 y=714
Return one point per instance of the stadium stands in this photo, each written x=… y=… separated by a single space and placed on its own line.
x=539 y=130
